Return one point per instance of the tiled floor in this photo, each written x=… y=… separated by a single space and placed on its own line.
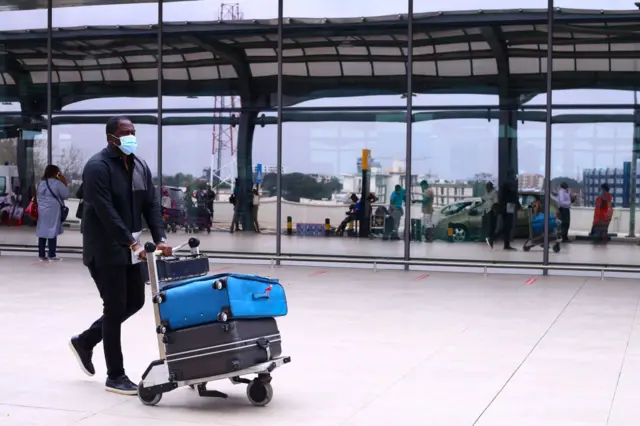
x=391 y=347
x=626 y=254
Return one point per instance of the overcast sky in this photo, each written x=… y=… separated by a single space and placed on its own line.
x=450 y=149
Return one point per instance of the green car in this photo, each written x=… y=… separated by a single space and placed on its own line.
x=465 y=218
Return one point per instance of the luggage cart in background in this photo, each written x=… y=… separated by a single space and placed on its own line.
x=536 y=231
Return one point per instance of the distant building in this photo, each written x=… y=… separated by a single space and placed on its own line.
x=618 y=179
x=530 y=181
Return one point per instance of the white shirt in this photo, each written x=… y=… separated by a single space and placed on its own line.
x=564 y=199
x=256 y=200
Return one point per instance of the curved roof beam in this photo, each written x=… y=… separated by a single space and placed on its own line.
x=238 y=59
x=494 y=37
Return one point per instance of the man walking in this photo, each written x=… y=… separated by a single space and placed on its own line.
x=508 y=205
x=118 y=192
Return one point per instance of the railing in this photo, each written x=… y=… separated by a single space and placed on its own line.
x=274 y=260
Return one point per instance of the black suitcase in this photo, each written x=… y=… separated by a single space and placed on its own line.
x=174 y=268
x=221 y=348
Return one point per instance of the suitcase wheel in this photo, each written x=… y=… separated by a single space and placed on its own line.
x=223 y=317
x=148 y=398
x=158 y=298
x=259 y=393
x=218 y=285
x=161 y=329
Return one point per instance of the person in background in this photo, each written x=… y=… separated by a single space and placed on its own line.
x=427 y=210
x=167 y=202
x=508 y=201
x=395 y=209
x=51 y=193
x=118 y=193
x=352 y=215
x=564 y=209
x=490 y=200
x=254 y=208
x=602 y=214
x=233 y=199
x=209 y=198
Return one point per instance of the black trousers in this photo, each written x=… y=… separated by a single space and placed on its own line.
x=565 y=217
x=42 y=245
x=121 y=288
x=507 y=228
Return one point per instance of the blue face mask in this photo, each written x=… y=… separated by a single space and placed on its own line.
x=128 y=144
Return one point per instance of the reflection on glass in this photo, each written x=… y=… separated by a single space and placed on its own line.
x=344 y=177
x=594 y=157
x=201 y=157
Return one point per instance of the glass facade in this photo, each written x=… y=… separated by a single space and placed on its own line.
x=338 y=137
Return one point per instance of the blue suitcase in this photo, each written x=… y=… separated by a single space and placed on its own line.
x=220 y=297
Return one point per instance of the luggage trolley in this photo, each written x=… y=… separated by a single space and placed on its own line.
x=159 y=377
x=536 y=236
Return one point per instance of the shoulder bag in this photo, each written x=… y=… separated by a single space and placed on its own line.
x=64 y=210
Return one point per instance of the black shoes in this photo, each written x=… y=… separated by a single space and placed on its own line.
x=83 y=356
x=122 y=385
x=489 y=242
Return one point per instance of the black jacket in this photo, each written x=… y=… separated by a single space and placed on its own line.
x=115 y=201
x=508 y=194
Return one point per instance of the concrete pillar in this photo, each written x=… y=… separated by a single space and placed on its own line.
x=507 y=143
x=246 y=128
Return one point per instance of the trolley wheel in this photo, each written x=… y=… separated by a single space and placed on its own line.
x=148 y=398
x=223 y=317
x=259 y=393
x=208 y=230
x=526 y=247
x=193 y=387
x=556 y=248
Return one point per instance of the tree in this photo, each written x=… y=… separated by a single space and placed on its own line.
x=299 y=185
x=573 y=184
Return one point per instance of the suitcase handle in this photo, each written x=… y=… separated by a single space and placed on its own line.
x=264 y=295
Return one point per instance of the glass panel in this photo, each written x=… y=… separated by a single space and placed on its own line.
x=92 y=66
x=344 y=93
x=196 y=143
x=462 y=198
x=23 y=111
x=593 y=148
x=325 y=179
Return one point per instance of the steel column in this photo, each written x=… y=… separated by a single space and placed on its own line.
x=547 y=153
x=279 y=136
x=633 y=176
x=49 y=81
x=160 y=59
x=408 y=149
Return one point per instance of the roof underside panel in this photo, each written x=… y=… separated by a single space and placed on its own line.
x=461 y=52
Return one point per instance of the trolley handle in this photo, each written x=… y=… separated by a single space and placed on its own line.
x=193 y=244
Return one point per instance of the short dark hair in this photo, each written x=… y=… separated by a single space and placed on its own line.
x=113 y=123
x=605 y=187
x=50 y=172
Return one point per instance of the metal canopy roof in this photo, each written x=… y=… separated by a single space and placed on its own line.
x=325 y=117
x=43 y=4
x=489 y=52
